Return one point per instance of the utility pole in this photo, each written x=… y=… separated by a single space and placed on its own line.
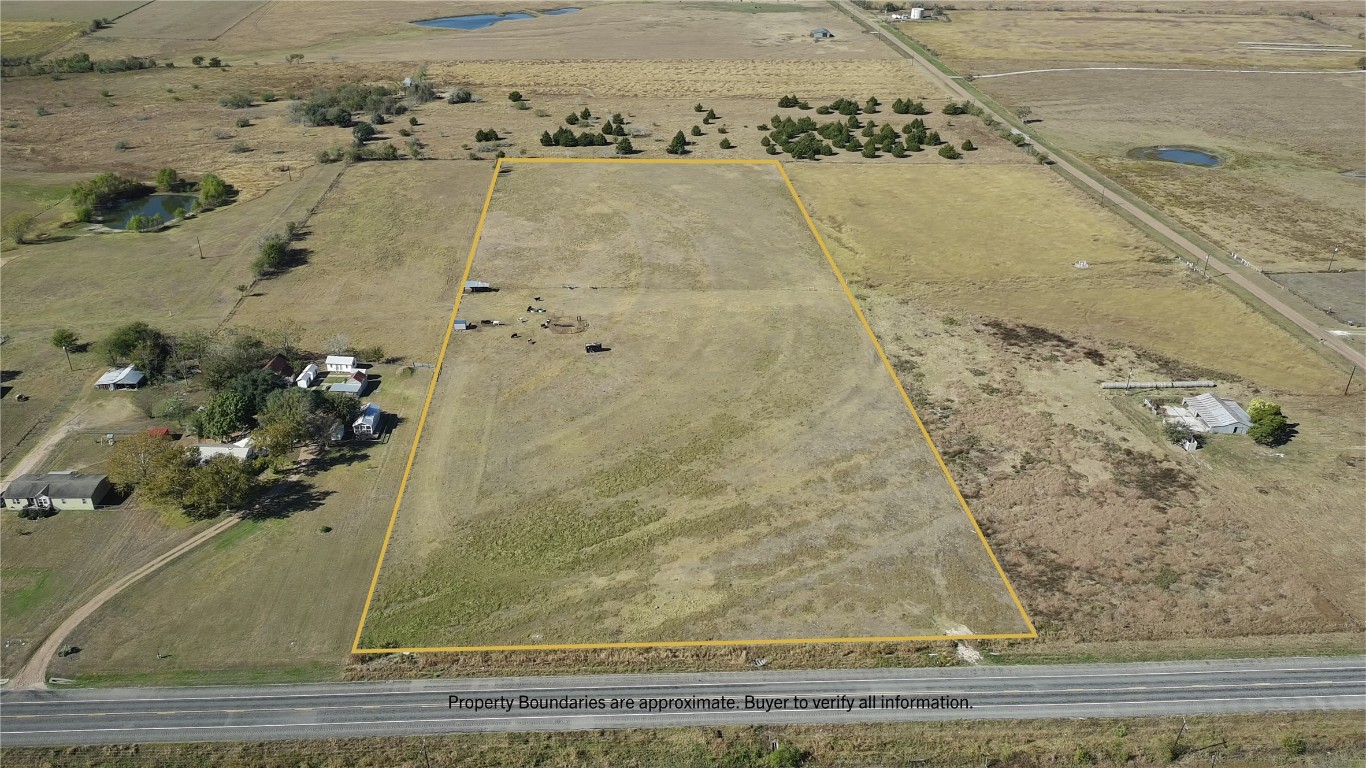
x=201 y=246
x=1350 y=376
x=67 y=350
x=1207 y=266
x=1331 y=259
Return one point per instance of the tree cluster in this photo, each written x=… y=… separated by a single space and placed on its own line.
x=274 y=253
x=460 y=96
x=1269 y=425
x=909 y=107
x=73 y=64
x=563 y=137
x=106 y=189
x=235 y=101
x=137 y=343
x=791 y=102
x=213 y=190
x=140 y=223
x=167 y=473
x=487 y=135
x=334 y=106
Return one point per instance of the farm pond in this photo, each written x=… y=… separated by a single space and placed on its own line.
x=482 y=20
x=164 y=206
x=1182 y=155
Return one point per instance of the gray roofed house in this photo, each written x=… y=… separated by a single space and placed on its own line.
x=121 y=378
x=1222 y=415
x=821 y=33
x=370 y=422
x=57 y=490
x=354 y=384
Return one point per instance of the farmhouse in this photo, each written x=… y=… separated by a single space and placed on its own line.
x=242 y=449
x=342 y=363
x=280 y=366
x=57 y=490
x=821 y=33
x=308 y=375
x=370 y=423
x=120 y=378
x=1220 y=415
x=354 y=384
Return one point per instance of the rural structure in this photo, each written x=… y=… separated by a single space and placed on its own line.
x=57 y=490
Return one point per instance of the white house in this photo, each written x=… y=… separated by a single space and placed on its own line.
x=309 y=374
x=341 y=363
x=370 y=423
x=242 y=450
x=57 y=490
x=120 y=378
x=1219 y=414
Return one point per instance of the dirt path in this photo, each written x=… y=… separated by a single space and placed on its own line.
x=1074 y=169
x=1173 y=69
x=39 y=453
x=32 y=675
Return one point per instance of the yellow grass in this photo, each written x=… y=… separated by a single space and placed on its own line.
x=34 y=38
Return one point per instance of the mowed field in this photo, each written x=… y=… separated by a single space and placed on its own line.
x=738 y=466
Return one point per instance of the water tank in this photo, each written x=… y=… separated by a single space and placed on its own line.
x=917 y=13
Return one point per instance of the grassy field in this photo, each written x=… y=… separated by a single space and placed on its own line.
x=69 y=10
x=1339 y=293
x=359 y=240
x=983 y=42
x=1330 y=739
x=182 y=21
x=1115 y=534
x=34 y=38
x=738 y=466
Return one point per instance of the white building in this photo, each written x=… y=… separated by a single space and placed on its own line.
x=1220 y=415
x=241 y=450
x=370 y=423
x=308 y=376
x=121 y=378
x=341 y=363
x=57 y=490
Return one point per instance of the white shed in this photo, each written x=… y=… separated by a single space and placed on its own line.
x=309 y=374
x=341 y=363
x=370 y=423
x=1220 y=414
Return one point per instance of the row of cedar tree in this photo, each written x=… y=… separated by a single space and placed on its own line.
x=244 y=397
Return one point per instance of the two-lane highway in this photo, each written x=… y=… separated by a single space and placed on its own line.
x=111 y=716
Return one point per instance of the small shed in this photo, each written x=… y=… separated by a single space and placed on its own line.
x=279 y=365
x=340 y=363
x=821 y=33
x=370 y=423
x=1220 y=414
x=160 y=432
x=354 y=384
x=464 y=325
x=57 y=490
x=241 y=450
x=474 y=286
x=310 y=373
x=121 y=378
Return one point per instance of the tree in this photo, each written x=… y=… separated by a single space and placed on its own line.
x=138 y=343
x=294 y=58
x=214 y=61
x=412 y=121
x=363 y=132
x=698 y=107
x=585 y=114
x=212 y=190
x=64 y=339
x=343 y=407
x=221 y=484
x=167 y=180
x=197 y=61
x=169 y=473
x=1270 y=430
x=226 y=412
x=725 y=144
x=696 y=131
x=1259 y=409
x=679 y=144
x=18 y=226
x=1023 y=113
x=515 y=96
x=967 y=145
x=134 y=459
x=949 y=153
x=546 y=139
x=932 y=139
x=871 y=105
x=460 y=96
x=711 y=114
x=1177 y=432
x=624 y=147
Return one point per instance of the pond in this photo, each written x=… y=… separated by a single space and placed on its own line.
x=1182 y=155
x=483 y=20
x=152 y=205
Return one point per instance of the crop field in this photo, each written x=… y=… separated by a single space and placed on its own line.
x=1341 y=294
x=182 y=21
x=983 y=42
x=82 y=11
x=737 y=466
x=33 y=38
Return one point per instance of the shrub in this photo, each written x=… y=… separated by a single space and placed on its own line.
x=167 y=180
x=42 y=111
x=515 y=96
x=696 y=131
x=412 y=121
x=363 y=132
x=678 y=145
x=214 y=61
x=244 y=122
x=238 y=147
x=698 y=108
x=624 y=147
x=212 y=190
x=84 y=213
x=822 y=110
x=235 y=101
x=968 y=146
x=222 y=134
x=460 y=96
x=378 y=119
x=572 y=119
x=949 y=153
x=106 y=93
x=1294 y=744
x=197 y=61
x=954 y=108
x=1176 y=432
x=487 y=135
x=404 y=132
x=1271 y=430
x=121 y=146
x=725 y=144
x=787 y=102
x=268 y=96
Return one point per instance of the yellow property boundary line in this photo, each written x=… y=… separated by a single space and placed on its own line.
x=431 y=389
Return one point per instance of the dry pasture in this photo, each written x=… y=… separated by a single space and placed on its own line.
x=737 y=466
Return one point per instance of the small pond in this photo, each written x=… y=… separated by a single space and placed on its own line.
x=483 y=20
x=152 y=205
x=1182 y=155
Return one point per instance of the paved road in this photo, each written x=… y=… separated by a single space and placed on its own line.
x=1072 y=168
x=113 y=716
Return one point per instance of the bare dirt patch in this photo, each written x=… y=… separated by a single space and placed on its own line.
x=737 y=466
